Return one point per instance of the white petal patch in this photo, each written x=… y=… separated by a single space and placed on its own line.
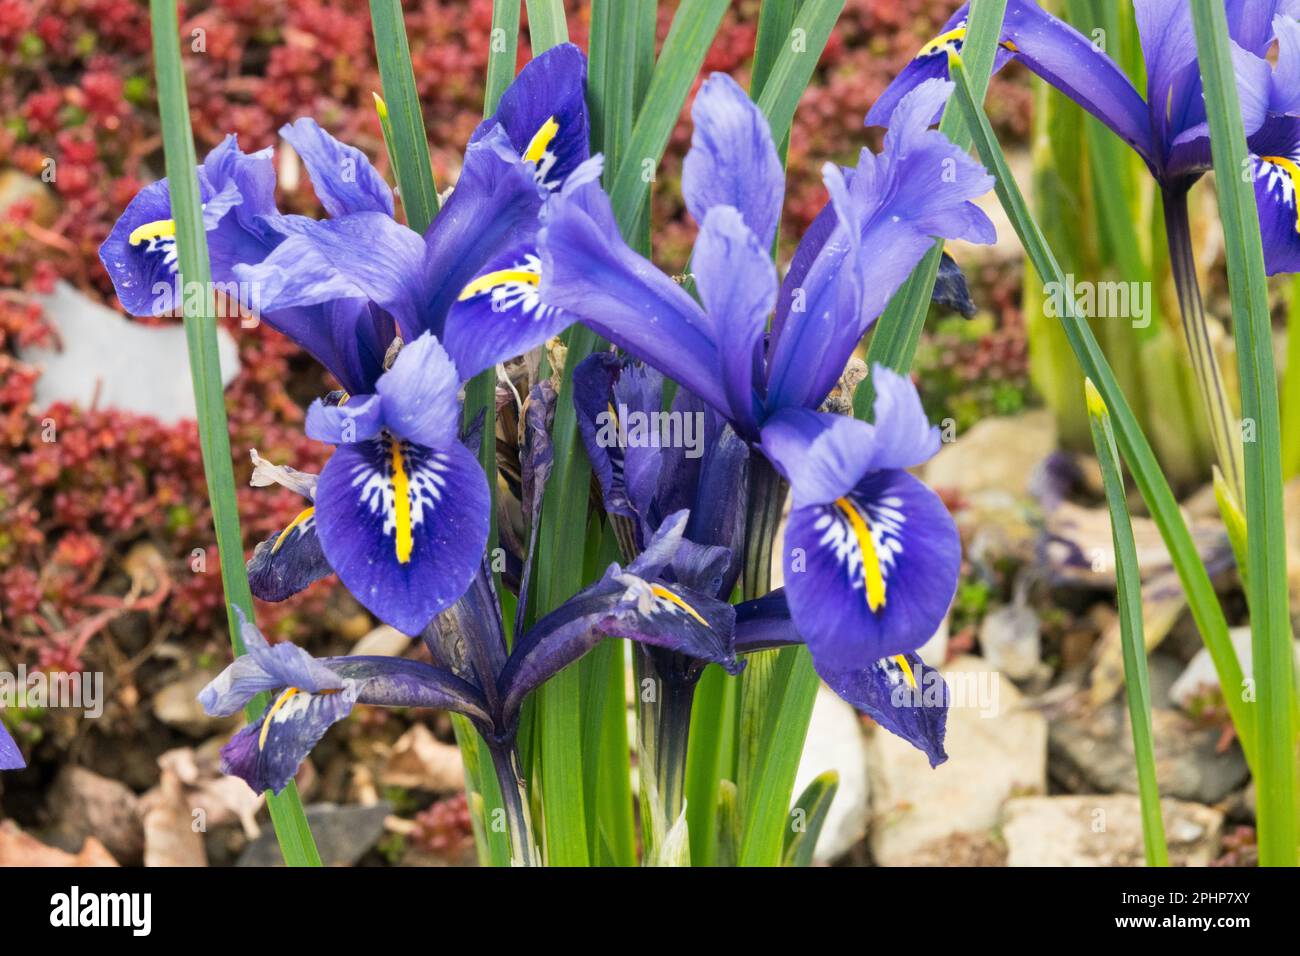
x=885 y=519
x=513 y=287
x=1281 y=175
x=402 y=483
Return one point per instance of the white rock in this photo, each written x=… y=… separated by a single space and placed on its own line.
x=997 y=748
x=113 y=362
x=1011 y=640
x=383 y=641
x=1200 y=674
x=835 y=742
x=1093 y=830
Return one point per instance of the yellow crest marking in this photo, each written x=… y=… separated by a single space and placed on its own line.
x=658 y=590
x=541 y=140
x=942 y=41
x=401 y=505
x=491 y=280
x=871 y=573
x=1288 y=166
x=302 y=516
x=152 y=230
x=266 y=723
x=901 y=661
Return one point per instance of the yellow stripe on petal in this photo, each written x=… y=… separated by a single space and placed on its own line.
x=401 y=505
x=266 y=723
x=303 y=515
x=542 y=139
x=659 y=591
x=943 y=41
x=159 y=229
x=901 y=661
x=1289 y=167
x=491 y=280
x=872 y=576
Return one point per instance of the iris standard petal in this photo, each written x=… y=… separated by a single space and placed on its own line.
x=419 y=394
x=11 y=758
x=822 y=456
x=403 y=526
x=359 y=419
x=1284 y=94
x=289 y=560
x=341 y=175
x=737 y=283
x=544 y=112
x=592 y=274
x=365 y=256
x=493 y=207
x=871 y=574
x=889 y=212
x=500 y=314
x=904 y=437
x=732 y=160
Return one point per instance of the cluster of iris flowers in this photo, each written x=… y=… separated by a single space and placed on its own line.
x=527 y=245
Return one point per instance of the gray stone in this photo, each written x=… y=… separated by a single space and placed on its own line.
x=835 y=742
x=1094 y=830
x=997 y=749
x=343 y=835
x=177 y=705
x=1093 y=752
x=113 y=362
x=85 y=804
x=1011 y=641
x=383 y=641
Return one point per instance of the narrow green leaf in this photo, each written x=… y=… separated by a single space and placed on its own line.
x=775 y=21
x=795 y=63
x=694 y=26
x=771 y=785
x=194 y=272
x=1129 y=584
x=710 y=758
x=1132 y=442
x=1270 y=623
x=547 y=24
x=898 y=330
x=807 y=818
x=411 y=159
x=503 y=52
x=1291 y=383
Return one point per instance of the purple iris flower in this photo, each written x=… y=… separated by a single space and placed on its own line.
x=472 y=673
x=882 y=218
x=400 y=512
x=346 y=286
x=1168 y=128
x=641 y=473
x=871 y=555
x=11 y=758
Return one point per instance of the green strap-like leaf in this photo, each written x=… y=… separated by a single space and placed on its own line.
x=291 y=827
x=1129 y=585
x=1132 y=442
x=411 y=159
x=807 y=819
x=1270 y=623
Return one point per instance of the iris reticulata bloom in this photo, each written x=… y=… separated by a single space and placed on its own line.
x=1168 y=128
x=11 y=758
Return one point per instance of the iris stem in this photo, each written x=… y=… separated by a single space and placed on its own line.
x=665 y=696
x=514 y=799
x=1205 y=364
